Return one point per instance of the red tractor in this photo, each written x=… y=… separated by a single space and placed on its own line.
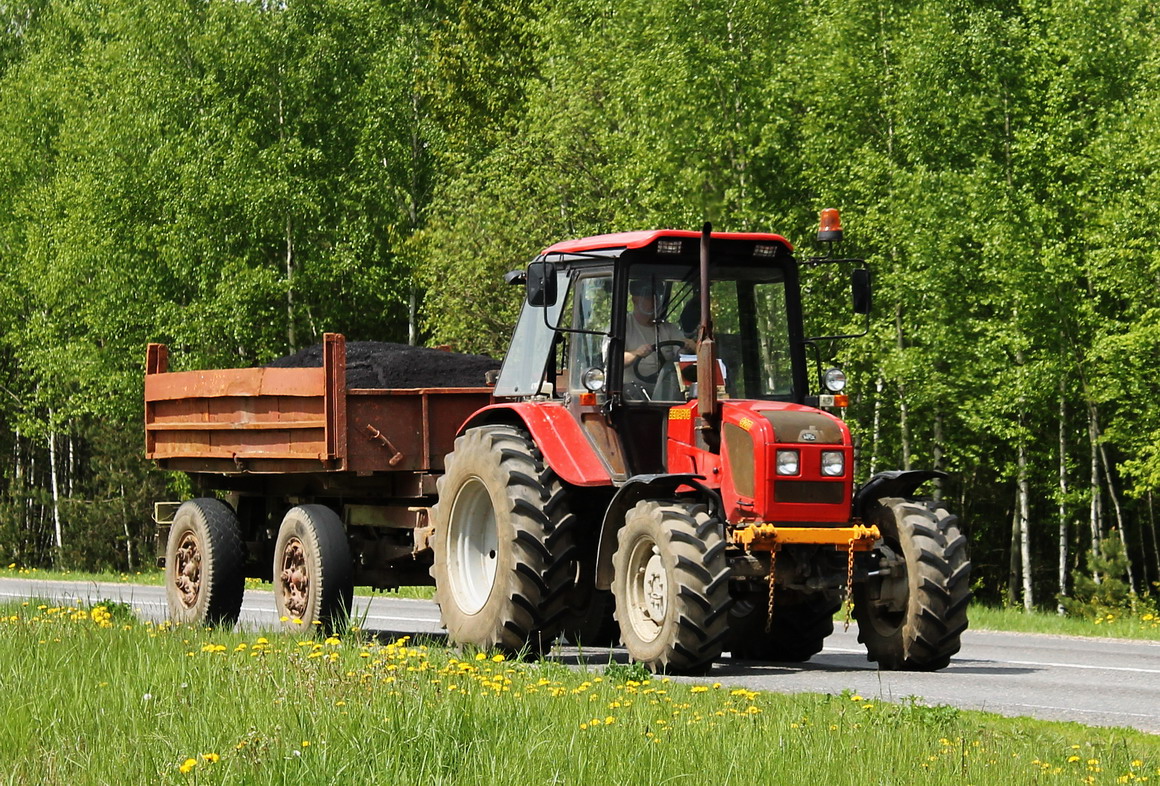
x=656 y=469
x=650 y=466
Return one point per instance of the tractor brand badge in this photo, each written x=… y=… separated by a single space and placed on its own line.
x=809 y=435
x=680 y=413
x=745 y=423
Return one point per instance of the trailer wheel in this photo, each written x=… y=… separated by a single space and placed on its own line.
x=912 y=615
x=204 y=556
x=313 y=571
x=671 y=585
x=504 y=557
x=799 y=629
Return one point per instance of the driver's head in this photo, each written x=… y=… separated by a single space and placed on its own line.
x=645 y=295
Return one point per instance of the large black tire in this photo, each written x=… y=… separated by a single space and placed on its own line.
x=313 y=570
x=912 y=619
x=671 y=586
x=204 y=559
x=504 y=557
x=801 y=623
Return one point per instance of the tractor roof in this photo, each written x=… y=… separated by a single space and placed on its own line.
x=641 y=239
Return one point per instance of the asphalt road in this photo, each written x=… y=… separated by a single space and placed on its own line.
x=1099 y=682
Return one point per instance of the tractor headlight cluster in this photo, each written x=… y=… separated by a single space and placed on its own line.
x=833 y=463
x=593 y=379
x=834 y=380
x=788 y=462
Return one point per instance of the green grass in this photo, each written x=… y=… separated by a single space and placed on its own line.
x=98 y=697
x=155 y=577
x=1143 y=624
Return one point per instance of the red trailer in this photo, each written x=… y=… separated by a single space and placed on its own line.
x=339 y=465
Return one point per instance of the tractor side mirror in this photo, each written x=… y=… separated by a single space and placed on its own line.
x=541 y=284
x=860 y=289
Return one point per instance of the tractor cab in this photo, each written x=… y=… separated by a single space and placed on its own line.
x=612 y=324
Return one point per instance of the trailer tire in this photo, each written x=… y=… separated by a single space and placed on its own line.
x=671 y=585
x=204 y=559
x=313 y=570
x=912 y=619
x=504 y=554
x=799 y=629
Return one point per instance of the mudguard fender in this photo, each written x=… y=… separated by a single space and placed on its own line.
x=561 y=441
x=895 y=483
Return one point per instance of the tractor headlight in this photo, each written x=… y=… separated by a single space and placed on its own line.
x=834 y=380
x=833 y=463
x=788 y=462
x=593 y=379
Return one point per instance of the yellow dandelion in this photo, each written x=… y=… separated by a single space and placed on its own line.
x=187 y=766
x=699 y=689
x=212 y=758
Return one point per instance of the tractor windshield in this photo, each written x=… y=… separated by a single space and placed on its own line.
x=751 y=326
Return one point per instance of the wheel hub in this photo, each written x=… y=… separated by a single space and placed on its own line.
x=187 y=570
x=648 y=591
x=473 y=547
x=294 y=579
x=654 y=588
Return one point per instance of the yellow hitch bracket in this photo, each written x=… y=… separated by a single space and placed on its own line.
x=767 y=537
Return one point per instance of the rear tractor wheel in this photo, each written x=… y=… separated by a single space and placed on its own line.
x=503 y=543
x=671 y=586
x=912 y=612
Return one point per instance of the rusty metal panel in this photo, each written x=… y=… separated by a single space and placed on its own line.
x=419 y=424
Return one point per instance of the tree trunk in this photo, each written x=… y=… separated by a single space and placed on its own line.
x=937 y=452
x=1062 y=498
x=1013 y=564
x=290 y=338
x=1119 y=515
x=128 y=536
x=1155 y=537
x=58 y=540
x=1025 y=528
x=903 y=425
x=1097 y=514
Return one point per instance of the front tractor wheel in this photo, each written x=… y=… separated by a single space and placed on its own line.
x=204 y=559
x=503 y=553
x=912 y=612
x=671 y=586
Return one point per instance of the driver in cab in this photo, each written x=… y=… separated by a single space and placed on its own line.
x=650 y=344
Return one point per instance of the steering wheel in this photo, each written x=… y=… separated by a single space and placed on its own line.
x=651 y=378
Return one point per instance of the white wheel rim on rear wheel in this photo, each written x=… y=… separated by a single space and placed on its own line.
x=473 y=542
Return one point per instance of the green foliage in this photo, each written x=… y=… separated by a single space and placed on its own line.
x=234 y=179
x=1103 y=588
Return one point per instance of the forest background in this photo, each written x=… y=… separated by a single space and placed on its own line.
x=235 y=178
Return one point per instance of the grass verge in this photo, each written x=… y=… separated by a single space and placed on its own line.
x=94 y=696
x=155 y=577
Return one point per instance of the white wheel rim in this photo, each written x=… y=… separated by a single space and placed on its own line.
x=647 y=590
x=473 y=546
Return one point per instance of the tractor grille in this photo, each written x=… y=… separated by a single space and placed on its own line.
x=809 y=491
